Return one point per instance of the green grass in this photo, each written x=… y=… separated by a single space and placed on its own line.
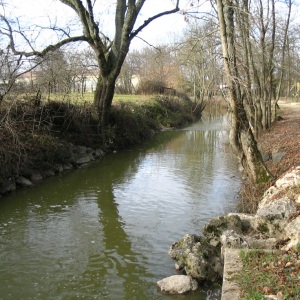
x=87 y=98
x=270 y=273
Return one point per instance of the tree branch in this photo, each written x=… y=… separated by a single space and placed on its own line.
x=147 y=22
x=48 y=49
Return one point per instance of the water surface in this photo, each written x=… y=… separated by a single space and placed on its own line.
x=103 y=231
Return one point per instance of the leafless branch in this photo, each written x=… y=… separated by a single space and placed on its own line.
x=148 y=21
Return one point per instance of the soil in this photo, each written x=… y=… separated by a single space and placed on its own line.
x=284 y=136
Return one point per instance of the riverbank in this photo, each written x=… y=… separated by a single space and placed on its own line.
x=40 y=141
x=280 y=147
x=272 y=223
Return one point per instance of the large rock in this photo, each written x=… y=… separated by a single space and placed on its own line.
x=197 y=257
x=32 y=174
x=216 y=226
x=177 y=284
x=231 y=239
x=269 y=196
x=290 y=179
x=293 y=232
x=279 y=209
x=261 y=226
x=24 y=182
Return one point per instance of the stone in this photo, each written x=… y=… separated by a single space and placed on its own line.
x=67 y=166
x=197 y=257
x=271 y=297
x=24 y=182
x=98 y=153
x=82 y=150
x=216 y=226
x=231 y=239
x=247 y=220
x=269 y=196
x=289 y=180
x=84 y=159
x=34 y=175
x=277 y=157
x=7 y=185
x=265 y=156
x=58 y=168
x=48 y=173
x=232 y=265
x=292 y=230
x=177 y=284
x=279 y=209
x=261 y=226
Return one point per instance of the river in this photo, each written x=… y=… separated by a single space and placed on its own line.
x=103 y=231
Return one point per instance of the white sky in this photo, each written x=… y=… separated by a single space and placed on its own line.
x=162 y=30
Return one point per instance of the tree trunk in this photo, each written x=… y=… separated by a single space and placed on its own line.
x=241 y=136
x=103 y=98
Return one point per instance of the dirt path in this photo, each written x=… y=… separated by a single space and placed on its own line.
x=284 y=136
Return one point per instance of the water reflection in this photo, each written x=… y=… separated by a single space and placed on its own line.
x=104 y=231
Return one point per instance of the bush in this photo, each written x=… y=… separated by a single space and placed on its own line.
x=38 y=137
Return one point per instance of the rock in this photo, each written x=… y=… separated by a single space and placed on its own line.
x=232 y=266
x=269 y=196
x=279 y=209
x=261 y=225
x=24 y=182
x=271 y=297
x=48 y=173
x=277 y=157
x=177 y=284
x=290 y=179
x=293 y=232
x=58 y=168
x=7 y=185
x=216 y=226
x=67 y=166
x=279 y=118
x=84 y=159
x=82 y=150
x=98 y=153
x=231 y=239
x=34 y=175
x=265 y=156
x=177 y=267
x=197 y=257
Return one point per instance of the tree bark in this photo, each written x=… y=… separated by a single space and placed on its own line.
x=241 y=135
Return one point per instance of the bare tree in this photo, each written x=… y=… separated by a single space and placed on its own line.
x=241 y=135
x=198 y=56
x=110 y=54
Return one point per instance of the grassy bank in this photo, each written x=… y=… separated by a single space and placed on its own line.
x=37 y=137
x=270 y=273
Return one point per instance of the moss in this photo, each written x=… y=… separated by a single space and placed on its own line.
x=263 y=228
x=262 y=176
